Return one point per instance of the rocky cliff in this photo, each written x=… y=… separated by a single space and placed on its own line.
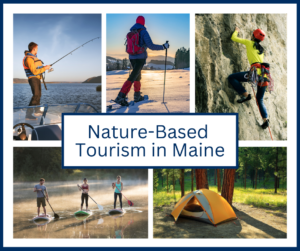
x=217 y=56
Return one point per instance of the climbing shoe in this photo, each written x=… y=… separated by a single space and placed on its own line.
x=121 y=99
x=138 y=97
x=30 y=117
x=265 y=125
x=243 y=99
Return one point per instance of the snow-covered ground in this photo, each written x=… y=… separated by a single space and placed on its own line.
x=177 y=92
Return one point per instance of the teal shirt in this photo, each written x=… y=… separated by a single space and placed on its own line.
x=119 y=187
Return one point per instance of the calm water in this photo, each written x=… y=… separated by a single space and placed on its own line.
x=65 y=200
x=60 y=94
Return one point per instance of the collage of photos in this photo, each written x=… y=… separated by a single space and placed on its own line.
x=240 y=67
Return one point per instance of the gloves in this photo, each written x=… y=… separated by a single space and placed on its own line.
x=166 y=45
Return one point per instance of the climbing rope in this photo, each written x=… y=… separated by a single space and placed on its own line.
x=260 y=112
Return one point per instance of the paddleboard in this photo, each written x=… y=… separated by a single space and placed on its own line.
x=117 y=211
x=42 y=217
x=82 y=213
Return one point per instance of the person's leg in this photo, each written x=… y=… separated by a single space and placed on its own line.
x=120 y=199
x=44 y=205
x=115 y=200
x=235 y=79
x=82 y=200
x=262 y=108
x=35 y=85
x=38 y=203
x=137 y=83
x=87 y=202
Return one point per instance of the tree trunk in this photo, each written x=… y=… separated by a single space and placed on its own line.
x=228 y=185
x=182 y=182
x=255 y=181
x=201 y=179
x=245 y=176
x=167 y=182
x=192 y=178
x=215 y=177
x=276 y=170
x=219 y=180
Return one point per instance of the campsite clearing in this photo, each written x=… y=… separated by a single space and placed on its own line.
x=252 y=222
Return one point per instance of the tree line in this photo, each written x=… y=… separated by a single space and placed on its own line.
x=182 y=58
x=260 y=164
x=32 y=163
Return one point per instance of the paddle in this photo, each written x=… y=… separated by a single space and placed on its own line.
x=56 y=216
x=99 y=206
x=130 y=203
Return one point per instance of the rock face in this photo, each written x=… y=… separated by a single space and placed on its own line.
x=217 y=56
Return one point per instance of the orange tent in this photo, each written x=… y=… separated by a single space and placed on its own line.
x=204 y=205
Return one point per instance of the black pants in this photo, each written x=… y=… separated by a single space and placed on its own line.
x=137 y=66
x=36 y=89
x=86 y=197
x=120 y=199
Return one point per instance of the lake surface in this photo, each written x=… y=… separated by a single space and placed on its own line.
x=65 y=199
x=60 y=94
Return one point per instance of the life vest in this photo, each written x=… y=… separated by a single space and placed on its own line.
x=132 y=43
x=264 y=79
x=37 y=62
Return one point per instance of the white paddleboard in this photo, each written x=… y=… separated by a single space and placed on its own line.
x=42 y=217
x=117 y=211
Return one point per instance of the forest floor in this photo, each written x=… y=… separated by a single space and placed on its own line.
x=252 y=222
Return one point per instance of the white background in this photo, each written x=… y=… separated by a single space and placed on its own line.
x=289 y=9
x=217 y=136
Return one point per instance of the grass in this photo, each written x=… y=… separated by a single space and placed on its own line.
x=260 y=197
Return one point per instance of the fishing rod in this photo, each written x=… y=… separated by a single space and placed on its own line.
x=51 y=69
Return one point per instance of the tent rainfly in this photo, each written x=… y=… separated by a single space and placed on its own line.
x=204 y=205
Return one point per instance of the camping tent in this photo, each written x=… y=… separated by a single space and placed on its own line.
x=204 y=205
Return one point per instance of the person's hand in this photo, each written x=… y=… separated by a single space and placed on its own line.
x=166 y=45
x=47 y=67
x=47 y=198
x=237 y=29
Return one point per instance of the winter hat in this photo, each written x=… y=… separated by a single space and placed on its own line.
x=140 y=20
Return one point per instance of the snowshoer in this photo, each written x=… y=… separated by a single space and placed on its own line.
x=137 y=56
x=41 y=192
x=118 y=186
x=34 y=69
x=84 y=188
x=255 y=54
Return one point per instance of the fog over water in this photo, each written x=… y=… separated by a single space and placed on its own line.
x=65 y=199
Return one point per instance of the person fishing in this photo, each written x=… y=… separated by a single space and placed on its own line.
x=34 y=69
x=255 y=54
x=118 y=186
x=84 y=188
x=138 y=40
x=41 y=190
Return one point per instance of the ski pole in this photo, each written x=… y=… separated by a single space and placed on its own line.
x=165 y=73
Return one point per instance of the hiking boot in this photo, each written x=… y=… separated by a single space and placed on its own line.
x=30 y=117
x=266 y=124
x=121 y=99
x=138 y=97
x=243 y=99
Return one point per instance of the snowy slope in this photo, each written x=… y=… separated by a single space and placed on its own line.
x=177 y=92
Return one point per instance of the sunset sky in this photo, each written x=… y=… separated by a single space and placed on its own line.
x=162 y=27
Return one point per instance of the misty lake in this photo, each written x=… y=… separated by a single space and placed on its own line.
x=65 y=200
